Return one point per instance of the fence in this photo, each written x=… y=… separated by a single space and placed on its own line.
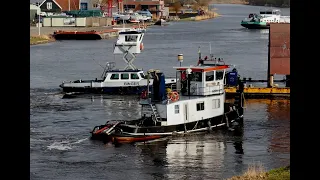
x=76 y=22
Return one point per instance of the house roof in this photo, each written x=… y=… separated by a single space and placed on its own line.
x=52 y=1
x=64 y=4
x=74 y=4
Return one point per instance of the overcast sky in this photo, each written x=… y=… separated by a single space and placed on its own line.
x=33 y=1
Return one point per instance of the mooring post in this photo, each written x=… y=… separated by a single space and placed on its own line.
x=270 y=83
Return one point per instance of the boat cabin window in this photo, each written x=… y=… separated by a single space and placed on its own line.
x=219 y=75
x=131 y=38
x=210 y=76
x=176 y=109
x=134 y=76
x=125 y=76
x=142 y=75
x=196 y=76
x=215 y=103
x=114 y=76
x=200 y=106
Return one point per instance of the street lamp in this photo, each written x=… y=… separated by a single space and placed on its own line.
x=188 y=72
x=180 y=58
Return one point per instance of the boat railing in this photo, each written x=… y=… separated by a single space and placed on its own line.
x=208 y=90
x=201 y=91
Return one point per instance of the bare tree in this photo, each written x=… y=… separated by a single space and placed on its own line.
x=177 y=7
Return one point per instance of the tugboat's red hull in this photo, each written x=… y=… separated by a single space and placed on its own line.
x=99 y=133
x=133 y=139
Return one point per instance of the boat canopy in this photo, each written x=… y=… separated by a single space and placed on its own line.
x=203 y=68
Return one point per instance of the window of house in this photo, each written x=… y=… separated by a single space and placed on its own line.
x=219 y=75
x=49 y=5
x=215 y=103
x=210 y=76
x=125 y=76
x=176 y=109
x=84 y=6
x=114 y=76
x=200 y=106
x=134 y=76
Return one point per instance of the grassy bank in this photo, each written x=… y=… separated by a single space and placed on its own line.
x=208 y=15
x=40 y=39
x=229 y=2
x=257 y=172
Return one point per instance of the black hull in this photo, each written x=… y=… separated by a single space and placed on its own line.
x=255 y=26
x=109 y=90
x=77 y=36
x=231 y=120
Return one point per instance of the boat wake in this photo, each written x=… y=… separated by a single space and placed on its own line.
x=64 y=145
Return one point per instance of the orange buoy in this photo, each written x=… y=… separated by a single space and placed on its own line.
x=174 y=96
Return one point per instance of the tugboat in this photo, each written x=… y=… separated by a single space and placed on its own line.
x=196 y=104
x=263 y=20
x=129 y=80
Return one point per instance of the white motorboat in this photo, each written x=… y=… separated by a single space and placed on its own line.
x=129 y=80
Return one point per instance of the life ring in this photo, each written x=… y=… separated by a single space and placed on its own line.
x=141 y=46
x=173 y=96
x=144 y=94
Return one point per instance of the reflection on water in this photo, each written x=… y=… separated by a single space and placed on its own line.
x=279 y=111
x=183 y=156
x=198 y=156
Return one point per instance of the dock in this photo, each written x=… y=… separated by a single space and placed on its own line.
x=85 y=35
x=93 y=33
x=278 y=63
x=260 y=92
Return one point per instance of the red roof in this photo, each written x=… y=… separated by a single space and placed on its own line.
x=203 y=68
x=64 y=4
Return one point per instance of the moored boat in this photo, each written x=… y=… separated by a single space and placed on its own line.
x=264 y=18
x=196 y=104
x=129 y=80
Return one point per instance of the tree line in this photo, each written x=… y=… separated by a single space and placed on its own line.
x=276 y=3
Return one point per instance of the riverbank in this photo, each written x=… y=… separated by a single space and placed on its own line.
x=208 y=15
x=252 y=3
x=257 y=172
x=229 y=2
x=36 y=39
x=47 y=32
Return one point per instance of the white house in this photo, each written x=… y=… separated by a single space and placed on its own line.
x=35 y=8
